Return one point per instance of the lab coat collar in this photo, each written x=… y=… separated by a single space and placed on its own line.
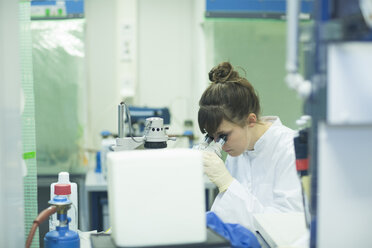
x=260 y=143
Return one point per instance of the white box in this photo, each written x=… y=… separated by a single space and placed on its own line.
x=349 y=93
x=344 y=213
x=156 y=197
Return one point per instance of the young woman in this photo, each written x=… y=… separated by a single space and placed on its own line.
x=260 y=174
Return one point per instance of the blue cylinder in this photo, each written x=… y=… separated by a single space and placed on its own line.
x=62 y=237
x=98 y=162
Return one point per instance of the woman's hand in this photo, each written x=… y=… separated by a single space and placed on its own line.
x=216 y=171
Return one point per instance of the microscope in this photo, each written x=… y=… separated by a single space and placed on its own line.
x=209 y=145
x=154 y=136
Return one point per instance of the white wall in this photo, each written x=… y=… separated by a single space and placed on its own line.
x=102 y=86
x=126 y=45
x=170 y=55
x=147 y=52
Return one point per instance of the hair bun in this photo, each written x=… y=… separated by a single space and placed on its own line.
x=221 y=73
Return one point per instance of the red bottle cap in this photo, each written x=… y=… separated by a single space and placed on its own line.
x=62 y=189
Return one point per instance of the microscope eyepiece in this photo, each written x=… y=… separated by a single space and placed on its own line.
x=222 y=139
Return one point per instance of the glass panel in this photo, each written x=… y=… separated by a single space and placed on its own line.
x=258 y=46
x=58 y=61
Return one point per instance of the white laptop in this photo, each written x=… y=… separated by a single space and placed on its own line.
x=156 y=197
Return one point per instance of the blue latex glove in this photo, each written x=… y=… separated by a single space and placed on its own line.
x=238 y=235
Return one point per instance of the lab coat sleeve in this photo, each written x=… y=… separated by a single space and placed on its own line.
x=238 y=204
x=287 y=187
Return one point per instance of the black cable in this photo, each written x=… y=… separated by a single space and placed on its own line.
x=130 y=123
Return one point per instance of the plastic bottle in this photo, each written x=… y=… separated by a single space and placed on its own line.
x=64 y=178
x=98 y=163
x=188 y=132
x=62 y=237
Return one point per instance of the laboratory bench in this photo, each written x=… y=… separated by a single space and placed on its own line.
x=103 y=240
x=273 y=230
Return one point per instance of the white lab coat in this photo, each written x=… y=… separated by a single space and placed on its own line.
x=265 y=179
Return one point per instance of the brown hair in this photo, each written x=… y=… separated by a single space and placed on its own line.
x=228 y=97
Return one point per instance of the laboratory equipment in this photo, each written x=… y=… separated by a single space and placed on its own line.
x=98 y=168
x=138 y=116
x=64 y=178
x=217 y=145
x=207 y=140
x=209 y=145
x=337 y=47
x=107 y=141
x=293 y=78
x=189 y=132
x=301 y=145
x=157 y=195
x=62 y=237
x=154 y=133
